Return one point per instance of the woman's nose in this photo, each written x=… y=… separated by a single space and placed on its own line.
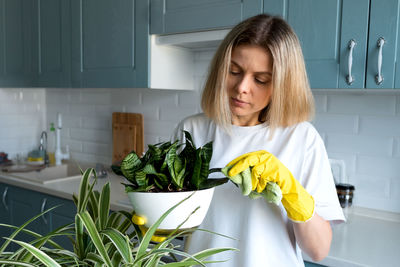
x=243 y=85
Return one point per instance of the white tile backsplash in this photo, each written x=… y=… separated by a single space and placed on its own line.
x=360 y=127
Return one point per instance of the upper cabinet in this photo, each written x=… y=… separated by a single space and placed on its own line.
x=52 y=43
x=177 y=16
x=16 y=59
x=74 y=43
x=110 y=43
x=341 y=40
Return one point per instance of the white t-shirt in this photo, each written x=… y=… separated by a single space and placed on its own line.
x=264 y=235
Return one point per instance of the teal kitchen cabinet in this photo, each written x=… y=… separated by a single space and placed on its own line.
x=20 y=205
x=110 y=43
x=4 y=212
x=340 y=39
x=177 y=16
x=325 y=29
x=16 y=58
x=63 y=214
x=23 y=205
x=52 y=43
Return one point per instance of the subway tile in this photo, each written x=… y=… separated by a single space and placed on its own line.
x=125 y=97
x=361 y=104
x=74 y=146
x=91 y=158
x=189 y=99
x=149 y=112
x=373 y=186
x=336 y=123
x=160 y=128
x=53 y=109
x=380 y=126
x=97 y=149
x=8 y=95
x=363 y=145
x=378 y=167
x=175 y=114
x=396 y=147
x=366 y=201
x=12 y=108
x=321 y=102
x=158 y=98
x=77 y=109
x=95 y=97
x=91 y=135
x=100 y=123
x=150 y=139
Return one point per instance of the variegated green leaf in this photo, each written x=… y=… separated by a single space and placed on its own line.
x=40 y=255
x=121 y=243
x=104 y=206
x=95 y=236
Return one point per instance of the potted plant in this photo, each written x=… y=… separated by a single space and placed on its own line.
x=100 y=237
x=167 y=173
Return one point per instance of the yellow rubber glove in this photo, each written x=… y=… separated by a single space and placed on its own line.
x=140 y=221
x=298 y=203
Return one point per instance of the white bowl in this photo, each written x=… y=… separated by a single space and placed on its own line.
x=152 y=206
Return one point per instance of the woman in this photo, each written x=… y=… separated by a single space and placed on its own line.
x=257 y=97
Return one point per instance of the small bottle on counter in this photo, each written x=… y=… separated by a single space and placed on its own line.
x=52 y=146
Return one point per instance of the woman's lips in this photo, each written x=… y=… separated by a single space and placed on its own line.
x=238 y=103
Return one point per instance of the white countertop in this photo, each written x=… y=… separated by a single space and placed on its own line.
x=369 y=238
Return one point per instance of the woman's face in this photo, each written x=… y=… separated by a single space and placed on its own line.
x=249 y=83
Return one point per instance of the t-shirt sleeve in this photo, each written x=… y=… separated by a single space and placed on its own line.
x=318 y=180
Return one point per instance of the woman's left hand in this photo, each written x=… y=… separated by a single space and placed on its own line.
x=299 y=204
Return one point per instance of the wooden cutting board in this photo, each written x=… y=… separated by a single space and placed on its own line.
x=127 y=135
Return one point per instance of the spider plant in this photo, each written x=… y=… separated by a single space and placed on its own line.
x=100 y=237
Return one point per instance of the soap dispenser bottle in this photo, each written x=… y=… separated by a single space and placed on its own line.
x=52 y=147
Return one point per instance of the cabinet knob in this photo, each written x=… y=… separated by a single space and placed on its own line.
x=379 y=77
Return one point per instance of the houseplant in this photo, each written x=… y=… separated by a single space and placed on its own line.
x=167 y=173
x=100 y=237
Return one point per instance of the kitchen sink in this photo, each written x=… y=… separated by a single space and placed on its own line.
x=50 y=174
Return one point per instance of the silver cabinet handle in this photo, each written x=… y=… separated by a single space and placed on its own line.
x=349 y=78
x=4 y=198
x=379 y=77
x=42 y=209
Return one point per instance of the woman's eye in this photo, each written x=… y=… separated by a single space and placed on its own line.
x=233 y=72
x=261 y=81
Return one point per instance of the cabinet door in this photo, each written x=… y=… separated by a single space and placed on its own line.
x=62 y=215
x=52 y=46
x=324 y=29
x=176 y=16
x=24 y=205
x=4 y=212
x=16 y=64
x=383 y=24
x=110 y=43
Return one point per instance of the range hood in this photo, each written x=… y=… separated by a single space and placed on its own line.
x=172 y=57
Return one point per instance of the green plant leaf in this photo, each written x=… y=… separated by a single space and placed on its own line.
x=40 y=255
x=121 y=243
x=16 y=263
x=95 y=236
x=129 y=165
x=104 y=206
x=208 y=183
x=195 y=179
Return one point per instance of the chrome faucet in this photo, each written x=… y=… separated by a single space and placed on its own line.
x=43 y=147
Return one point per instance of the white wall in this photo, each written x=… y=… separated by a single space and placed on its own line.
x=362 y=127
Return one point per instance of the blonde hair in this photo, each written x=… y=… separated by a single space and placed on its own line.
x=291 y=101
